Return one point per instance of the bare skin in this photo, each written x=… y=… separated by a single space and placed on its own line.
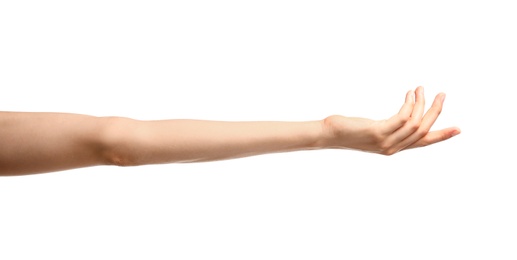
x=40 y=142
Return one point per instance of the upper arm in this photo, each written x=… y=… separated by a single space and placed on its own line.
x=44 y=142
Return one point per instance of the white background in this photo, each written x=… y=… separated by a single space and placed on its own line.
x=267 y=60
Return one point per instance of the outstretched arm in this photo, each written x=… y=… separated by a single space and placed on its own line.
x=45 y=142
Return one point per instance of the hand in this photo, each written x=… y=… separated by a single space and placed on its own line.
x=407 y=129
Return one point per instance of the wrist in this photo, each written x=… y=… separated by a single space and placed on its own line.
x=324 y=135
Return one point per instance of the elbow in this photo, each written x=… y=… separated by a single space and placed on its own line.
x=120 y=159
x=118 y=142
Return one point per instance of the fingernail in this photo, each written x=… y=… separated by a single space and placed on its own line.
x=443 y=97
x=455 y=132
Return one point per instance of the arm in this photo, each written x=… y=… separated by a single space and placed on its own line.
x=45 y=142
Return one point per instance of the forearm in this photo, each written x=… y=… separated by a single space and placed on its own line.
x=168 y=141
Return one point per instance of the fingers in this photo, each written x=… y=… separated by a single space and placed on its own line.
x=414 y=121
x=432 y=114
x=426 y=123
x=418 y=111
x=415 y=132
x=435 y=137
x=398 y=120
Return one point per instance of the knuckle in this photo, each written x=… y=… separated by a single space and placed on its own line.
x=439 y=110
x=421 y=132
x=379 y=138
x=384 y=146
x=388 y=149
x=389 y=152
x=403 y=119
x=414 y=125
x=424 y=143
